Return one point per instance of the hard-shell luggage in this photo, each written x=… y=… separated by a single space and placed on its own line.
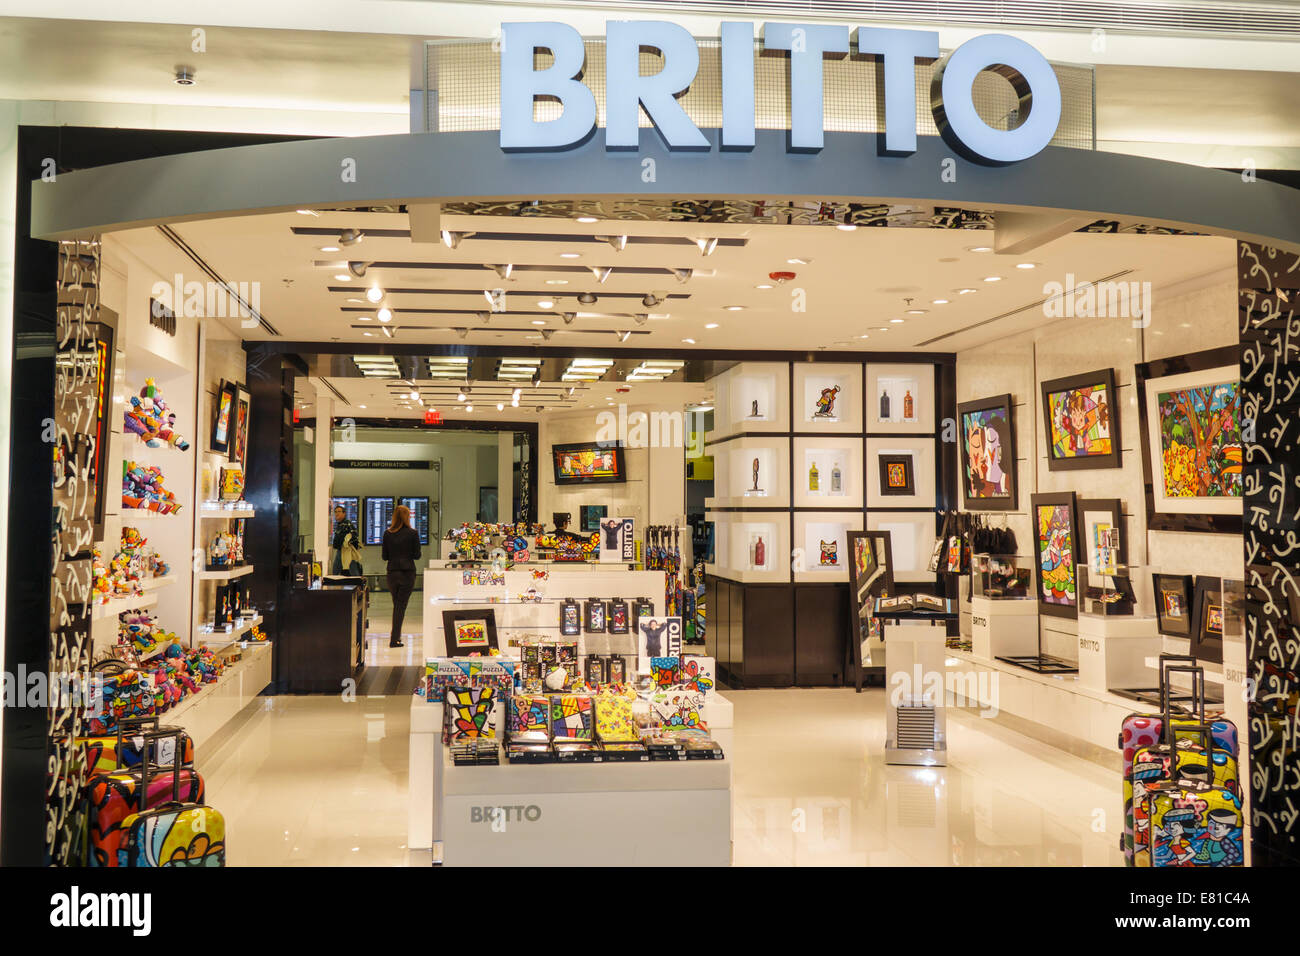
x=1192 y=822
x=112 y=797
x=121 y=750
x=175 y=833
x=1144 y=731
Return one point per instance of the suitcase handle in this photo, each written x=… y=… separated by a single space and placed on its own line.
x=133 y=723
x=175 y=735
x=1167 y=696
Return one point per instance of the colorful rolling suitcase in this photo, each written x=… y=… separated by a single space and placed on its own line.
x=104 y=754
x=1195 y=824
x=175 y=833
x=1141 y=731
x=112 y=797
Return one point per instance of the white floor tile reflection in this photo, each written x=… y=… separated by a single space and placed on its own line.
x=322 y=781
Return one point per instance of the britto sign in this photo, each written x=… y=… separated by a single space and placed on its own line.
x=893 y=52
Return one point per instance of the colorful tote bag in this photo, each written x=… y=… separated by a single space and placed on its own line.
x=614 y=718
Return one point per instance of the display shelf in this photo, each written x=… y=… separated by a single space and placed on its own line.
x=225 y=575
x=739 y=387
x=209 y=509
x=827 y=398
x=734 y=475
x=897 y=382
x=203 y=714
x=226 y=638
x=828 y=455
x=921 y=452
x=824 y=535
x=911 y=540
x=735 y=548
x=136 y=514
x=153 y=584
x=116 y=606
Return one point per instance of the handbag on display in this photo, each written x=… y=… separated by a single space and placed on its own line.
x=937 y=554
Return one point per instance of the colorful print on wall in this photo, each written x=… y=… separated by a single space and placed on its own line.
x=1082 y=421
x=1055 y=534
x=988 y=453
x=1192 y=441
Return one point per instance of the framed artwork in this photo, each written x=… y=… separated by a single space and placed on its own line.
x=96 y=478
x=580 y=463
x=590 y=516
x=1190 y=414
x=1207 y=620
x=223 y=417
x=1081 y=421
x=1056 y=535
x=897 y=476
x=871 y=574
x=239 y=437
x=470 y=632
x=1173 y=596
x=988 y=453
x=1101 y=521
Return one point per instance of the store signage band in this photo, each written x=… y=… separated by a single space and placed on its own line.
x=384 y=463
x=896 y=51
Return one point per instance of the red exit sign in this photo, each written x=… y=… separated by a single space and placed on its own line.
x=432 y=417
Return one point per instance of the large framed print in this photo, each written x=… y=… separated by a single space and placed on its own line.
x=582 y=463
x=1101 y=524
x=871 y=575
x=1056 y=536
x=223 y=417
x=239 y=434
x=988 y=453
x=1190 y=414
x=96 y=478
x=470 y=633
x=1173 y=599
x=1081 y=421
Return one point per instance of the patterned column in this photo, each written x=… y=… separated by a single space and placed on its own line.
x=1268 y=288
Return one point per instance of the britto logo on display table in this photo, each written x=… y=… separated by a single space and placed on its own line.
x=896 y=52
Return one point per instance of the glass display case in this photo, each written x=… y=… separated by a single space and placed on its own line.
x=1001 y=577
x=1111 y=590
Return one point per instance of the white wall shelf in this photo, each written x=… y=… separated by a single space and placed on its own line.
x=116 y=606
x=225 y=575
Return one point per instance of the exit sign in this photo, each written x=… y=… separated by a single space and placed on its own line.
x=432 y=417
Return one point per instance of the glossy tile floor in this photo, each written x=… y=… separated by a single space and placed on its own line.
x=322 y=781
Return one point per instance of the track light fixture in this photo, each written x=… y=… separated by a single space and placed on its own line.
x=587 y=298
x=547 y=333
x=618 y=242
x=537 y=376
x=350 y=237
x=568 y=317
x=452 y=239
x=652 y=299
x=503 y=269
x=358 y=269
x=484 y=317
x=707 y=245
x=601 y=273
x=462 y=332
x=387 y=330
x=514 y=397
x=683 y=275
x=642 y=318
x=622 y=336
x=540 y=409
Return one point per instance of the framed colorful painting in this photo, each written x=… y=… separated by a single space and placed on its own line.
x=1190 y=411
x=223 y=417
x=470 y=632
x=1081 y=421
x=1056 y=536
x=988 y=453
x=897 y=476
x=1207 y=620
x=1173 y=599
x=239 y=437
x=1101 y=523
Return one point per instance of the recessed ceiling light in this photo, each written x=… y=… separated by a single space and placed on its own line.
x=993 y=278
x=846 y=227
x=916 y=311
x=894 y=322
x=586 y=219
x=469 y=408
x=965 y=291
x=363 y=318
x=711 y=325
x=501 y=406
x=733 y=308
x=385 y=315
x=308 y=212
x=374 y=293
x=979 y=248
x=329 y=248
x=356 y=300
x=864 y=336
x=1026 y=265
x=763 y=285
x=539 y=321
x=798 y=261
x=938 y=301
x=569 y=255
x=882 y=330
x=342 y=277
x=367 y=334
x=361 y=406
x=545 y=304
x=689 y=341
x=557 y=281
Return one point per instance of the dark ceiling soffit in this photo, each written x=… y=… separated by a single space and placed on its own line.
x=439 y=166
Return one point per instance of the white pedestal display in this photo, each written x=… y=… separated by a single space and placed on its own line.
x=1003 y=628
x=1113 y=650
x=915 y=731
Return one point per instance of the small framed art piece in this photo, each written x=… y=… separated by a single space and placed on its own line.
x=1056 y=535
x=223 y=418
x=1101 y=524
x=470 y=632
x=988 y=453
x=1081 y=421
x=897 y=476
x=1173 y=598
x=1207 y=620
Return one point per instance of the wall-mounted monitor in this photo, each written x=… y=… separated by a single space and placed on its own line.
x=419 y=506
x=351 y=506
x=378 y=516
x=584 y=463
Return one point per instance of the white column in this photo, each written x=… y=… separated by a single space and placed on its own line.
x=505 y=476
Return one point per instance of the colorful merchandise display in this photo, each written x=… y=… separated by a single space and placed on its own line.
x=142 y=489
x=150 y=418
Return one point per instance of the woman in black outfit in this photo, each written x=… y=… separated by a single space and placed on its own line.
x=401 y=551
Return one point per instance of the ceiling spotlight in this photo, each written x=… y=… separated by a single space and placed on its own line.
x=469 y=408
x=539 y=321
x=547 y=333
x=1026 y=265
x=965 y=291
x=460 y=396
x=625 y=335
x=572 y=389
x=938 y=301
x=350 y=237
x=569 y=255
x=707 y=245
x=683 y=275
x=536 y=377
x=652 y=299
x=618 y=242
x=993 y=278
x=896 y=321
x=503 y=270
x=587 y=298
x=342 y=277
x=979 y=249
x=514 y=397
x=557 y=281
x=733 y=308
x=385 y=315
x=462 y=332
x=601 y=273
x=916 y=311
x=846 y=227
x=546 y=304
x=452 y=239
x=484 y=317
x=375 y=294
x=501 y=406
x=540 y=409
x=641 y=318
x=689 y=341
x=358 y=269
x=711 y=325
x=798 y=261
x=763 y=285
x=184 y=76
x=414 y=396
x=324 y=248
x=568 y=317
x=307 y=212
x=387 y=331
x=587 y=219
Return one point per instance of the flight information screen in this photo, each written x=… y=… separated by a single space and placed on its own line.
x=379 y=514
x=419 y=515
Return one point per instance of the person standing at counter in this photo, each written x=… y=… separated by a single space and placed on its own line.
x=347 y=554
x=401 y=549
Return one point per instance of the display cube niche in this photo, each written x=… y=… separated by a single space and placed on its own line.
x=889 y=388
x=737 y=535
x=921 y=453
x=734 y=474
x=827 y=398
x=824 y=538
x=741 y=389
x=828 y=455
x=911 y=540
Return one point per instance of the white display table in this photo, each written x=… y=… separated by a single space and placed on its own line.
x=1003 y=628
x=1113 y=650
